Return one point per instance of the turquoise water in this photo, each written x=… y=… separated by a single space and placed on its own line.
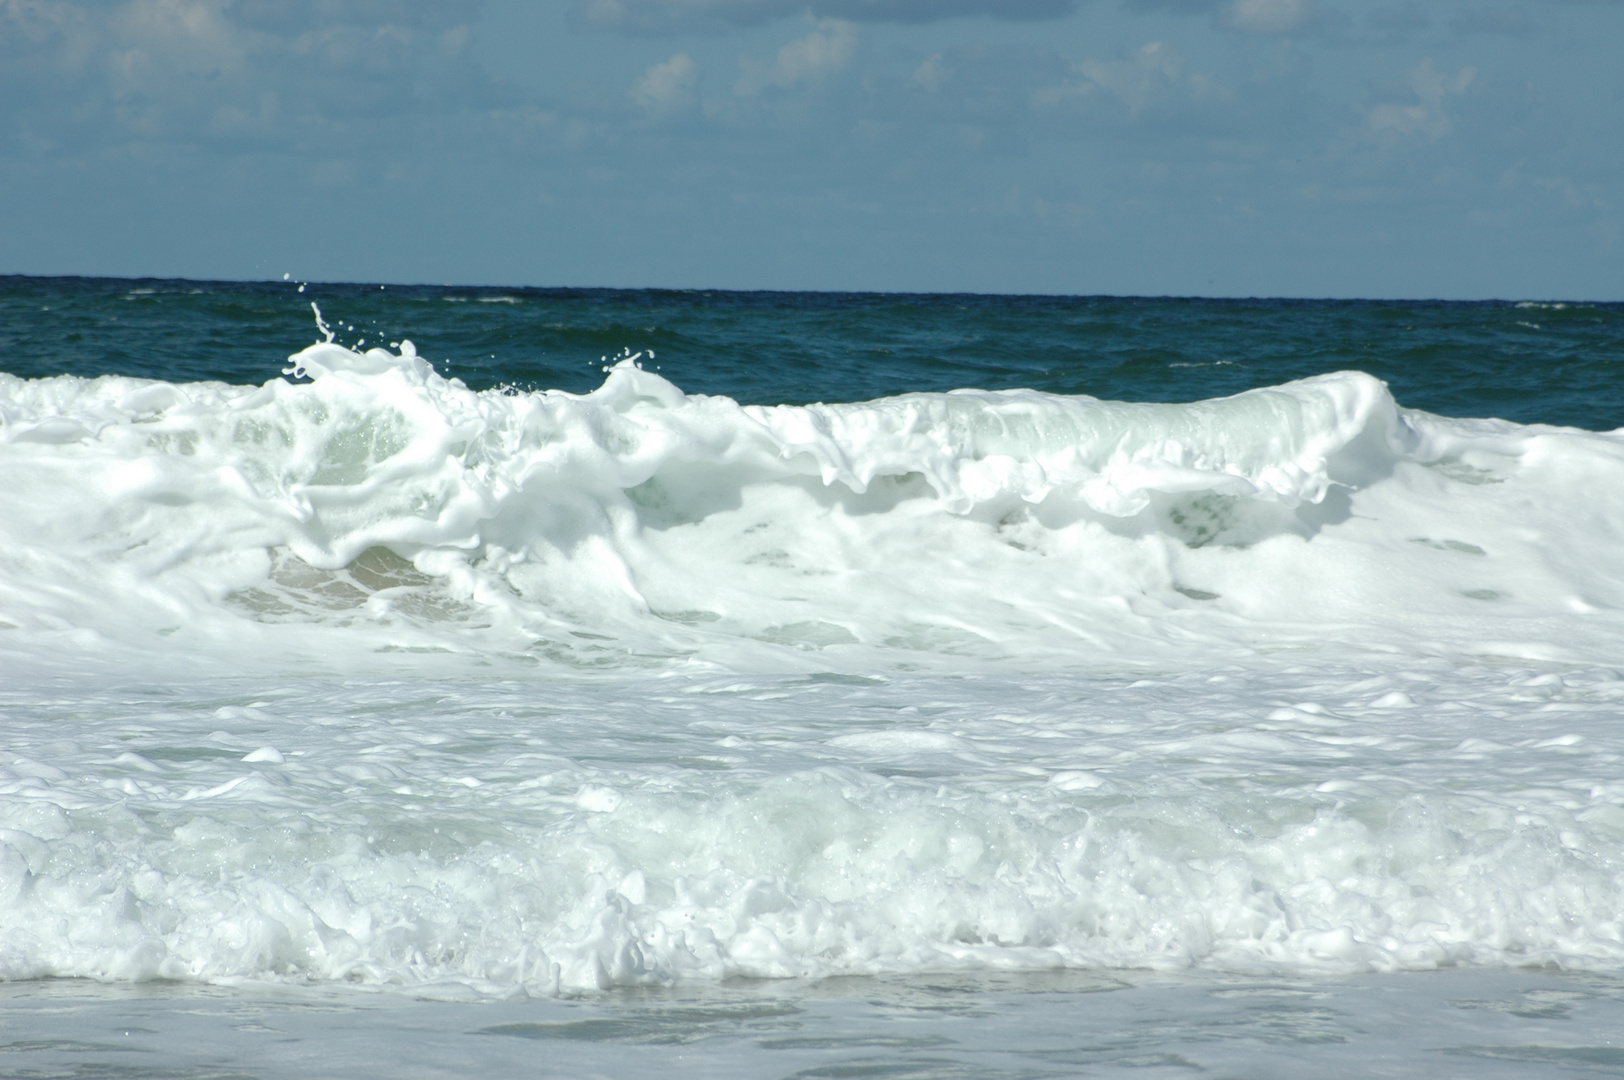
x=1546 y=363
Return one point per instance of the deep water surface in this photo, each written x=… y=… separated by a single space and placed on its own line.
x=1528 y=361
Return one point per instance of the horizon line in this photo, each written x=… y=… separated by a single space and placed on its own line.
x=705 y=289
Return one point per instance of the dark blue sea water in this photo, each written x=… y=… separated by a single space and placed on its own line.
x=1547 y=363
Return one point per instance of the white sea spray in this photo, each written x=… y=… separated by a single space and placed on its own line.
x=637 y=524
x=368 y=677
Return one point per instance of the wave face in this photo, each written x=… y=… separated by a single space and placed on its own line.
x=375 y=507
x=372 y=507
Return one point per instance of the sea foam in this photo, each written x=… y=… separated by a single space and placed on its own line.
x=485 y=837
x=362 y=676
x=638 y=525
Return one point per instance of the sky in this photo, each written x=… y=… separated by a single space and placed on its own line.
x=1328 y=148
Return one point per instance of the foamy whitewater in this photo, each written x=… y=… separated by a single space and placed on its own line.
x=365 y=677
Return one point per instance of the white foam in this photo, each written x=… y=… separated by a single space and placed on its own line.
x=638 y=525
x=368 y=677
x=552 y=837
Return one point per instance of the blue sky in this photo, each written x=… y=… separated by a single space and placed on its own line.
x=1452 y=148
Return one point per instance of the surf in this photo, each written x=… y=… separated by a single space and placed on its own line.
x=365 y=503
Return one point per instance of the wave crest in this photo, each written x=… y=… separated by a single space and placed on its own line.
x=681 y=525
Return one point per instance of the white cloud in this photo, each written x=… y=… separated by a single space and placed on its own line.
x=674 y=16
x=1153 y=74
x=668 y=85
x=804 y=62
x=1141 y=80
x=1249 y=16
x=42 y=41
x=158 y=40
x=931 y=74
x=1267 y=16
x=1425 y=116
x=190 y=71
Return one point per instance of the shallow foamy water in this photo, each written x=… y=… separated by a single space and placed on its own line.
x=480 y=837
x=1321 y=869
x=368 y=724
x=1436 y=1024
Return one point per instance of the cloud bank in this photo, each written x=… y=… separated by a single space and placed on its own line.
x=806 y=61
x=674 y=16
x=224 y=71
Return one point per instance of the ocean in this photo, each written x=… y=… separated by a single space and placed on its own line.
x=440 y=681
